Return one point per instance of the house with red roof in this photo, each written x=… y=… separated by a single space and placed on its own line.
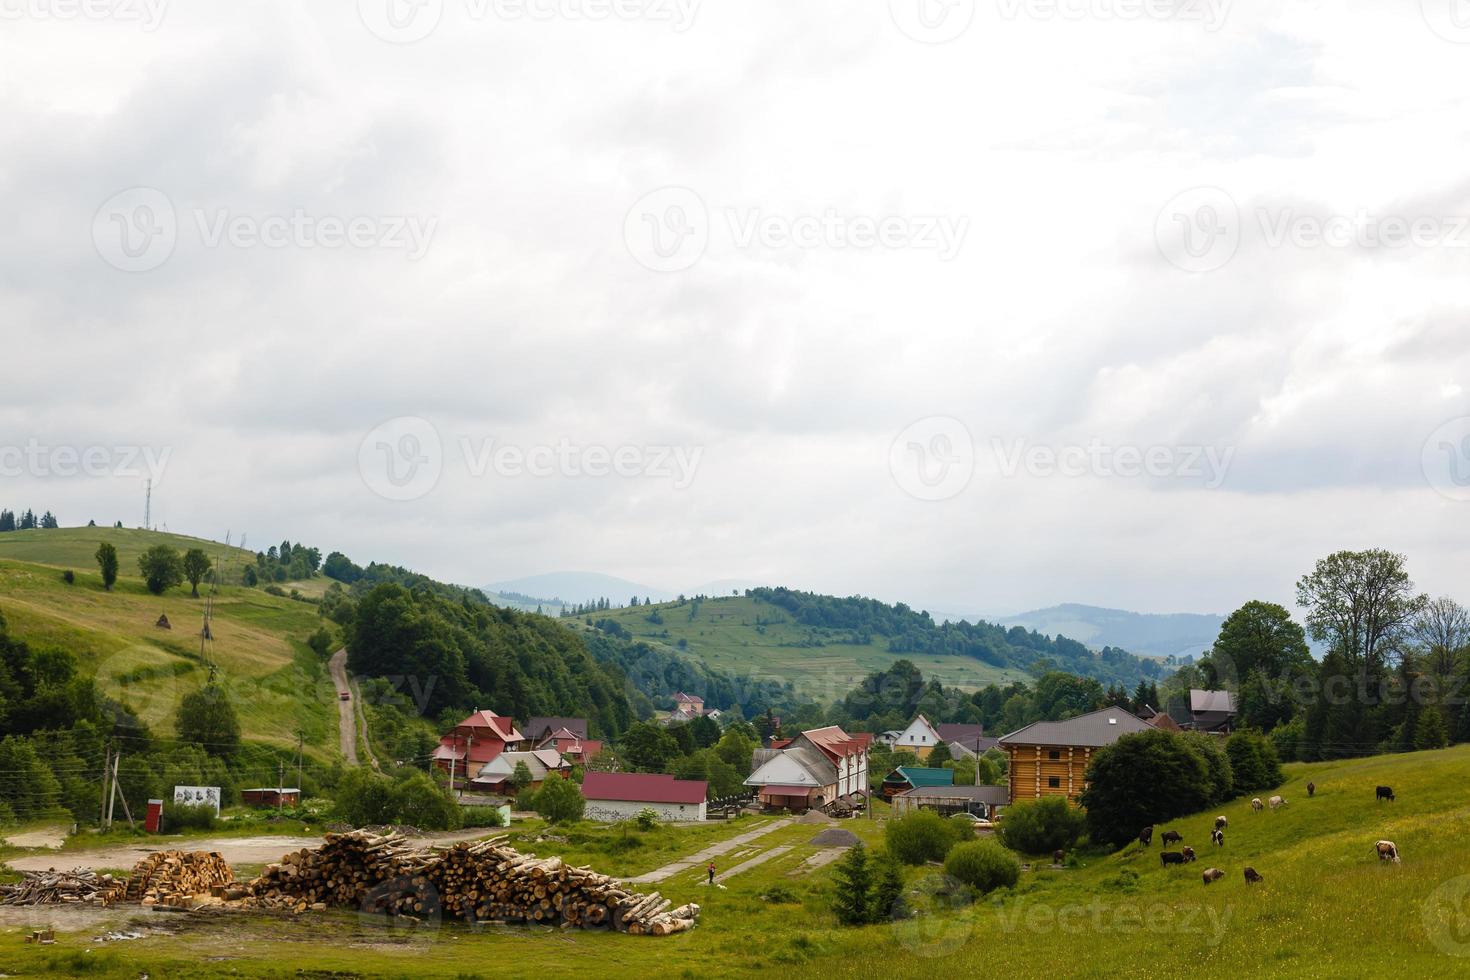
x=815 y=768
x=479 y=739
x=575 y=748
x=614 y=796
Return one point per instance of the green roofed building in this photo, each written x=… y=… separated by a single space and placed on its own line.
x=905 y=778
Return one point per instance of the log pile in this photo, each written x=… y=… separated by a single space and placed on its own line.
x=180 y=879
x=483 y=882
x=58 y=887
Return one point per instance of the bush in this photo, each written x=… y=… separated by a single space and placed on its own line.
x=69 y=577
x=923 y=836
x=320 y=642
x=420 y=802
x=1217 y=763
x=647 y=819
x=1046 y=825
x=526 y=801
x=364 y=799
x=780 y=895
x=178 y=817
x=481 y=816
x=559 y=800
x=983 y=865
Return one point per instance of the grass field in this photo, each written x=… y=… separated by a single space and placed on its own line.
x=1327 y=908
x=746 y=636
x=277 y=682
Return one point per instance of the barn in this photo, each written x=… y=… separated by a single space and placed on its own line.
x=614 y=796
x=982 y=801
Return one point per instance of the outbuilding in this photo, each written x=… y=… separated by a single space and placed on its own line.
x=271 y=796
x=614 y=796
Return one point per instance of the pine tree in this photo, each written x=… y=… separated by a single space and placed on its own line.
x=888 y=901
x=853 y=882
x=1430 y=732
x=7 y=520
x=49 y=522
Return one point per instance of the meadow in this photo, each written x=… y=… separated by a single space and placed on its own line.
x=1327 y=907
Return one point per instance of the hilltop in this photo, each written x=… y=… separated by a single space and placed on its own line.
x=259 y=641
x=1146 y=634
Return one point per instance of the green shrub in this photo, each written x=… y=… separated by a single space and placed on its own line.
x=983 y=865
x=481 y=816
x=178 y=817
x=780 y=895
x=69 y=577
x=923 y=836
x=420 y=802
x=1217 y=765
x=647 y=819
x=364 y=798
x=1043 y=826
x=1254 y=760
x=559 y=800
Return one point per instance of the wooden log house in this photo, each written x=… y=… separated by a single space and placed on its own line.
x=1050 y=758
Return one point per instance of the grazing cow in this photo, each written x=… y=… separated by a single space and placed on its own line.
x=1146 y=836
x=1219 y=838
x=1384 y=793
x=1221 y=823
x=1311 y=790
x=1188 y=853
x=1212 y=874
x=1167 y=858
x=1256 y=804
x=1387 y=851
x=1057 y=857
x=1277 y=801
x=1171 y=837
x=1252 y=876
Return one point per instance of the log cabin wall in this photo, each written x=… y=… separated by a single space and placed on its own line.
x=1034 y=773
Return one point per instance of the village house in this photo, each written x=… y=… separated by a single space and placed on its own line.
x=905 y=778
x=575 y=748
x=271 y=796
x=478 y=739
x=614 y=796
x=1050 y=758
x=966 y=741
x=919 y=738
x=981 y=801
x=812 y=770
x=495 y=776
x=537 y=729
x=1210 y=711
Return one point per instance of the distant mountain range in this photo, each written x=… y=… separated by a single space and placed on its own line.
x=1146 y=634
x=555 y=589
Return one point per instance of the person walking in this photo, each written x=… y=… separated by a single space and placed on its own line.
x=712 y=872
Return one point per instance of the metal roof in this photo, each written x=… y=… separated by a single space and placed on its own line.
x=1091 y=730
x=999 y=795
x=641 y=787
x=919 y=776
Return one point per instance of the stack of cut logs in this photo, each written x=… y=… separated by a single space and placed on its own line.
x=57 y=887
x=179 y=878
x=483 y=882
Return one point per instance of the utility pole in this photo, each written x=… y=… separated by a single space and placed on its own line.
x=280 y=785
x=148 y=507
x=466 y=763
x=451 y=763
x=106 y=776
x=300 y=740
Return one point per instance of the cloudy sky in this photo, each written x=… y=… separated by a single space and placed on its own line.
x=982 y=306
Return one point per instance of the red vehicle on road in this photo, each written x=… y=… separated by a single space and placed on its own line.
x=344 y=696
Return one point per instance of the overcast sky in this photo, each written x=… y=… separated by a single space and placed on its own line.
x=979 y=306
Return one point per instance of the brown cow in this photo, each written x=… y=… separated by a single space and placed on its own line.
x=1171 y=837
x=1311 y=790
x=1221 y=823
x=1057 y=857
x=1257 y=805
x=1146 y=836
x=1188 y=853
x=1212 y=874
x=1387 y=851
x=1252 y=876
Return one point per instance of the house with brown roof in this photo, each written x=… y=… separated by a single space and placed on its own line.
x=495 y=776
x=537 y=728
x=1050 y=758
x=812 y=770
x=575 y=748
x=614 y=796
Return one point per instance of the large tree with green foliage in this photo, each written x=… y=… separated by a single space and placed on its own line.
x=196 y=566
x=648 y=747
x=1140 y=780
x=107 y=562
x=207 y=717
x=559 y=800
x=161 y=568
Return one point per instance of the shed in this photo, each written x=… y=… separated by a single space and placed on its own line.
x=908 y=777
x=982 y=801
x=614 y=796
x=271 y=796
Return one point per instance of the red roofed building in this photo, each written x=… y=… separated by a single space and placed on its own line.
x=573 y=747
x=614 y=796
x=478 y=739
x=816 y=768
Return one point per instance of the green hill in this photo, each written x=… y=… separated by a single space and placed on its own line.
x=277 y=682
x=749 y=636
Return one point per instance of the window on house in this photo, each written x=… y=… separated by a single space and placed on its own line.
x=1054 y=782
x=1053 y=755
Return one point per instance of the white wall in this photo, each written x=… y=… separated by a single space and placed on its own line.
x=611 y=811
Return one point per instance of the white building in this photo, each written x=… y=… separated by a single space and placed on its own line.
x=614 y=796
x=919 y=738
x=812 y=770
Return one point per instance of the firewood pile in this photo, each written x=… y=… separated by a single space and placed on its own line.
x=482 y=882
x=59 y=887
x=181 y=879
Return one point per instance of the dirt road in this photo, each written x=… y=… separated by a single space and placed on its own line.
x=346 y=719
x=235 y=850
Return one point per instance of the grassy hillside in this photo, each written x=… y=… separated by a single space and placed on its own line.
x=742 y=635
x=1327 y=908
x=278 y=684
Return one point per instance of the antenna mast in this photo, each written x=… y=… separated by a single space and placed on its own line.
x=148 y=507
